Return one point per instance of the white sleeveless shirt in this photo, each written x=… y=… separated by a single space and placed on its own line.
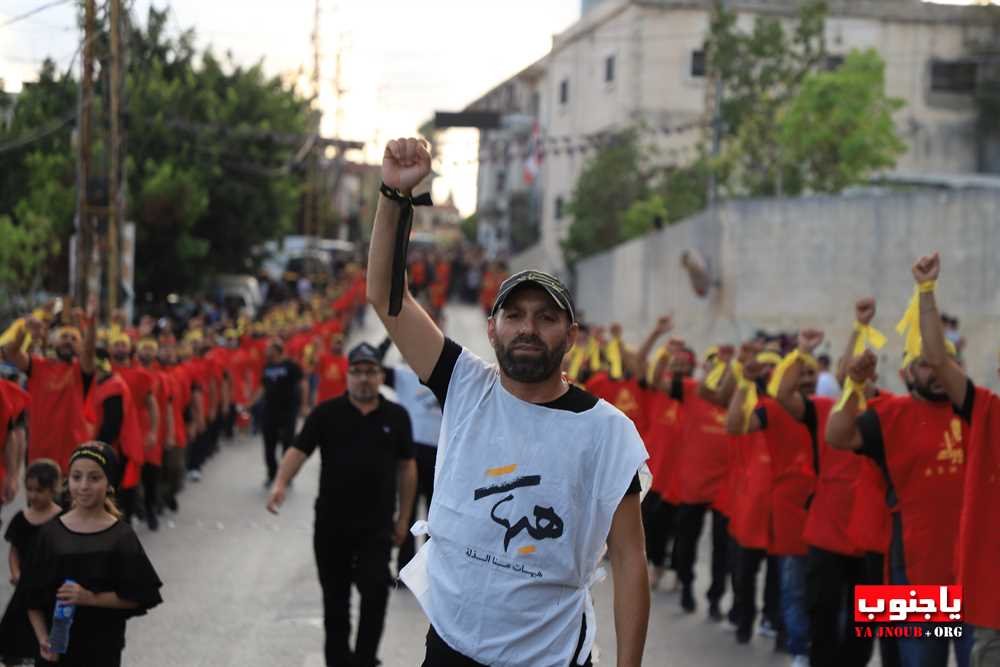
x=523 y=501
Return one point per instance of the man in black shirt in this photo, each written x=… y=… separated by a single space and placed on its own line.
x=285 y=392
x=365 y=443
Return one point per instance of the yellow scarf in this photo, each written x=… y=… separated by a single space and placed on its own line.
x=909 y=325
x=613 y=351
x=867 y=335
x=779 y=371
x=852 y=388
x=714 y=377
x=750 y=399
x=651 y=370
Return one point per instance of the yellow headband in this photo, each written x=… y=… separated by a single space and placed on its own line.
x=769 y=358
x=120 y=337
x=73 y=331
x=148 y=343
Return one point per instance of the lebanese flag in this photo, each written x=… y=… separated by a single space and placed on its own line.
x=534 y=162
x=978 y=548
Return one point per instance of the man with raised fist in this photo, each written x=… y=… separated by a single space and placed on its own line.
x=534 y=476
x=919 y=440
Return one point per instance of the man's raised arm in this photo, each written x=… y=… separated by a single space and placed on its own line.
x=948 y=372
x=405 y=163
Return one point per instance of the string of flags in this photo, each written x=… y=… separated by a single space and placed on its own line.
x=532 y=150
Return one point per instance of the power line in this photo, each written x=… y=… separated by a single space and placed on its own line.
x=52 y=128
x=36 y=10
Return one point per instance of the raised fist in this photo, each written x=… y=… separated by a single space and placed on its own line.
x=862 y=368
x=749 y=352
x=864 y=310
x=810 y=339
x=616 y=330
x=664 y=325
x=927 y=268
x=405 y=163
x=753 y=369
x=726 y=353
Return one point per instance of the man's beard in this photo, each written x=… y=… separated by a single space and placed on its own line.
x=65 y=353
x=531 y=369
x=924 y=391
x=364 y=395
x=119 y=358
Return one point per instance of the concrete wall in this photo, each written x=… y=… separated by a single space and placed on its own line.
x=784 y=264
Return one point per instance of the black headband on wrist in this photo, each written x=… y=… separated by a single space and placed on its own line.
x=402 y=243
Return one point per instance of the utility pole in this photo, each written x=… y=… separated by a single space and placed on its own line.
x=310 y=211
x=85 y=224
x=114 y=172
x=714 y=91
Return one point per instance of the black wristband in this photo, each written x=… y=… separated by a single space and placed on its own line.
x=394 y=194
x=397 y=196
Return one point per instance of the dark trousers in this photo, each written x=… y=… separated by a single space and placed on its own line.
x=151 y=476
x=888 y=649
x=830 y=582
x=198 y=449
x=748 y=562
x=426 y=456
x=690 y=520
x=229 y=423
x=173 y=473
x=346 y=555
x=658 y=521
x=276 y=429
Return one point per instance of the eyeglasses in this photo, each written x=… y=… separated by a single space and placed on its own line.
x=363 y=372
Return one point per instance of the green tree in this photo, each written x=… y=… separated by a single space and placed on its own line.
x=24 y=249
x=790 y=125
x=761 y=72
x=210 y=163
x=839 y=129
x=470 y=228
x=612 y=181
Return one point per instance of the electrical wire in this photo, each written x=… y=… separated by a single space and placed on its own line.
x=36 y=10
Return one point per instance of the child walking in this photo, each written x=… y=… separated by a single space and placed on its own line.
x=41 y=484
x=90 y=558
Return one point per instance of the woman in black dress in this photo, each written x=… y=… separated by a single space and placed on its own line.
x=94 y=548
x=41 y=485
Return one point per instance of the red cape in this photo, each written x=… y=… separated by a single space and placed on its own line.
x=978 y=551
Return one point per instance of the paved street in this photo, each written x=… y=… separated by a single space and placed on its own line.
x=241 y=588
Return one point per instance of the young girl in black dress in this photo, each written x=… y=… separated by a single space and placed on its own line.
x=41 y=484
x=94 y=548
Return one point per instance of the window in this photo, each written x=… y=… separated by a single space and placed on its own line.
x=564 y=91
x=501 y=181
x=559 y=208
x=831 y=63
x=609 y=69
x=954 y=76
x=536 y=103
x=698 y=63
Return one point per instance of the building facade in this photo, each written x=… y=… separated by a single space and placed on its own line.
x=642 y=63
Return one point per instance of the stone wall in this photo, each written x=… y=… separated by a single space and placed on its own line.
x=786 y=263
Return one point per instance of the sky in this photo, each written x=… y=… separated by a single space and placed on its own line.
x=400 y=60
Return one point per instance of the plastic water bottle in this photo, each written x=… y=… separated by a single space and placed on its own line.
x=62 y=621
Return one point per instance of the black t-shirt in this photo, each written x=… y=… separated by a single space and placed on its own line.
x=281 y=388
x=574 y=400
x=359 y=457
x=105 y=561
